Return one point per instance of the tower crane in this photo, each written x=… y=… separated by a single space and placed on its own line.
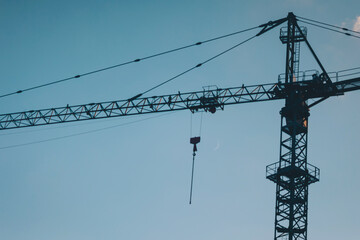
x=292 y=173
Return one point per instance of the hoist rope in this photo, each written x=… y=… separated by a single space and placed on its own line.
x=192 y=177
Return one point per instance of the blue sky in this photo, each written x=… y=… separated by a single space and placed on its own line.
x=132 y=182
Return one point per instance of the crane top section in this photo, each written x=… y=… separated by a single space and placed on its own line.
x=298 y=37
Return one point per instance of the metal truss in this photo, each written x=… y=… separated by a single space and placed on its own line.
x=291 y=36
x=208 y=100
x=291 y=173
x=347 y=85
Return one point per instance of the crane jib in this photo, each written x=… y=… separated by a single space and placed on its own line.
x=207 y=100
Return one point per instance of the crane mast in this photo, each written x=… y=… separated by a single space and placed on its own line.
x=292 y=173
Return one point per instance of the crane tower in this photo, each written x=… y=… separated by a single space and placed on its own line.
x=292 y=174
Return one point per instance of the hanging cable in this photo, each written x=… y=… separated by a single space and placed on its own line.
x=330 y=25
x=128 y=62
x=81 y=133
x=197 y=66
x=201 y=122
x=316 y=25
x=191 y=120
x=192 y=177
x=194 y=141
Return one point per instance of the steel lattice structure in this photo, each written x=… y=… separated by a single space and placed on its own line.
x=208 y=99
x=292 y=174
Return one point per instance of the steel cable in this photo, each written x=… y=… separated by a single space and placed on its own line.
x=316 y=25
x=330 y=25
x=128 y=62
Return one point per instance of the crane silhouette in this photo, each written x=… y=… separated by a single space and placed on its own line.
x=292 y=173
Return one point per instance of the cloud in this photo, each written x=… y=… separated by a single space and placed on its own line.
x=356 y=26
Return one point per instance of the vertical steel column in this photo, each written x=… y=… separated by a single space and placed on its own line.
x=291 y=38
x=292 y=174
x=291 y=193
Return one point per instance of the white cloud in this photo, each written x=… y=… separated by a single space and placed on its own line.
x=356 y=26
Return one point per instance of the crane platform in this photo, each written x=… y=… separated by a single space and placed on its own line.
x=310 y=173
